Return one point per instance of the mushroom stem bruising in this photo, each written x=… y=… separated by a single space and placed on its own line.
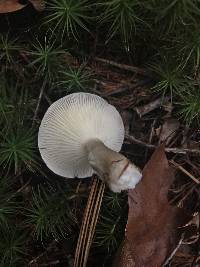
x=112 y=167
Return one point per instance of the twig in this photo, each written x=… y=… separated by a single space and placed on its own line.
x=174 y=251
x=150 y=138
x=39 y=101
x=145 y=109
x=184 y=171
x=19 y=190
x=43 y=253
x=124 y=66
x=50 y=263
x=47 y=99
x=174 y=150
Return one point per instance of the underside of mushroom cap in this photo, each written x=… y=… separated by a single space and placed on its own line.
x=69 y=124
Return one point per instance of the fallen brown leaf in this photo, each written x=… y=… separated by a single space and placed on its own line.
x=7 y=6
x=145 y=109
x=169 y=129
x=39 y=5
x=152 y=231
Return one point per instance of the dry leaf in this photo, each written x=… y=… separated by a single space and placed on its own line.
x=39 y=5
x=7 y=6
x=169 y=129
x=152 y=230
x=145 y=109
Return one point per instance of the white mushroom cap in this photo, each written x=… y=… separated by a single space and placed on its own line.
x=69 y=124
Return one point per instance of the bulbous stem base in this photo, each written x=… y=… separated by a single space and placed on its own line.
x=112 y=167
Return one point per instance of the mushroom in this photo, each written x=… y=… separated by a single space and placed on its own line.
x=81 y=134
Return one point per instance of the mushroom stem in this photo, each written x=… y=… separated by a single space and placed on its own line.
x=112 y=167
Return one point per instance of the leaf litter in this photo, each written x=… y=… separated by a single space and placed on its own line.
x=154 y=227
x=7 y=6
